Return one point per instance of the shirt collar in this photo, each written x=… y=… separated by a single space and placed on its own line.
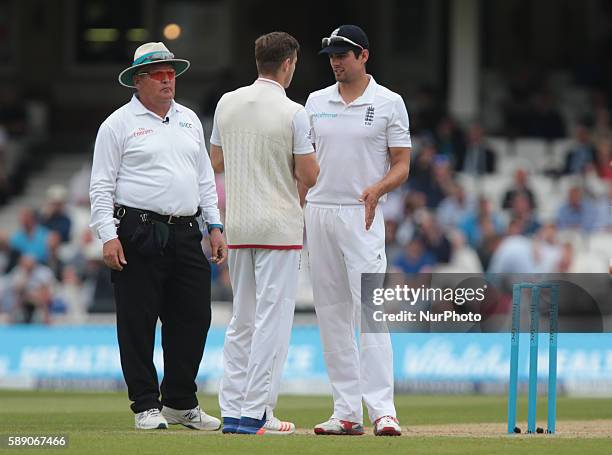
x=367 y=97
x=270 y=81
x=137 y=108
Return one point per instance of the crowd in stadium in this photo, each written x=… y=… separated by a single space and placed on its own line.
x=469 y=205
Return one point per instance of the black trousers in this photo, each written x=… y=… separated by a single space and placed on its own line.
x=174 y=288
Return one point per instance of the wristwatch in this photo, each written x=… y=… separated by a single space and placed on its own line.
x=210 y=227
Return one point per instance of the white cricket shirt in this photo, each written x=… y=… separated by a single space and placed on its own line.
x=352 y=140
x=143 y=161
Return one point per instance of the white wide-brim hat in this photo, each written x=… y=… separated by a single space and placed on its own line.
x=148 y=54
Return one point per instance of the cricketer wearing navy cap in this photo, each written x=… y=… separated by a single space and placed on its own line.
x=361 y=134
x=345 y=38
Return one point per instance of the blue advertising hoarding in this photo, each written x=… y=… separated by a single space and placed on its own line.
x=33 y=353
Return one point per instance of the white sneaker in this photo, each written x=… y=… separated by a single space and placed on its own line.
x=195 y=418
x=339 y=427
x=151 y=419
x=387 y=426
x=275 y=426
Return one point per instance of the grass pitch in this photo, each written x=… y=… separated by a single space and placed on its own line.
x=99 y=423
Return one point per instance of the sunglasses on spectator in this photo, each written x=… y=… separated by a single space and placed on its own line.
x=160 y=75
x=339 y=39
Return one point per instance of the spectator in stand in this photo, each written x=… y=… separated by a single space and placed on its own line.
x=455 y=207
x=521 y=185
x=434 y=239
x=582 y=153
x=578 y=212
x=54 y=215
x=69 y=297
x=479 y=159
x=31 y=238
x=413 y=202
x=421 y=167
x=393 y=207
x=491 y=236
x=441 y=183
x=464 y=258
x=603 y=155
x=549 y=251
x=521 y=212
x=567 y=258
x=54 y=262
x=514 y=254
x=517 y=253
x=546 y=121
x=450 y=140
x=78 y=256
x=415 y=258
x=591 y=183
x=31 y=286
x=483 y=221
x=432 y=174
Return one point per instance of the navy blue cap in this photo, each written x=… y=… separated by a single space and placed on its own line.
x=345 y=38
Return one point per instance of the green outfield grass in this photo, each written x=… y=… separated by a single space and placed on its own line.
x=102 y=423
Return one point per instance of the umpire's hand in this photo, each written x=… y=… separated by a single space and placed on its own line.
x=218 y=247
x=113 y=255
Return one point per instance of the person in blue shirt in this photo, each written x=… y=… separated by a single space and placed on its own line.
x=54 y=216
x=577 y=213
x=473 y=225
x=415 y=257
x=31 y=238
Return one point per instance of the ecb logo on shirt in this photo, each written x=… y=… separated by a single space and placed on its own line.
x=369 y=116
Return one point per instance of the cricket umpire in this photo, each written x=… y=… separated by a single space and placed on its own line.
x=152 y=173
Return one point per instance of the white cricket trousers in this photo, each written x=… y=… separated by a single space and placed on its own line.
x=264 y=283
x=340 y=250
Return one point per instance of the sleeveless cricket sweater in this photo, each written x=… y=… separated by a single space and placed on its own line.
x=262 y=203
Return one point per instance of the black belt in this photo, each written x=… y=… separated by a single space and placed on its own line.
x=146 y=215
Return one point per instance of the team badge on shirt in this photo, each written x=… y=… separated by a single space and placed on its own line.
x=369 y=116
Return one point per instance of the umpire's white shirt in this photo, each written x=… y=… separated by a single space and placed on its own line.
x=146 y=162
x=352 y=140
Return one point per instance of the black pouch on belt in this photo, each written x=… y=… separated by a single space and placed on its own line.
x=150 y=238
